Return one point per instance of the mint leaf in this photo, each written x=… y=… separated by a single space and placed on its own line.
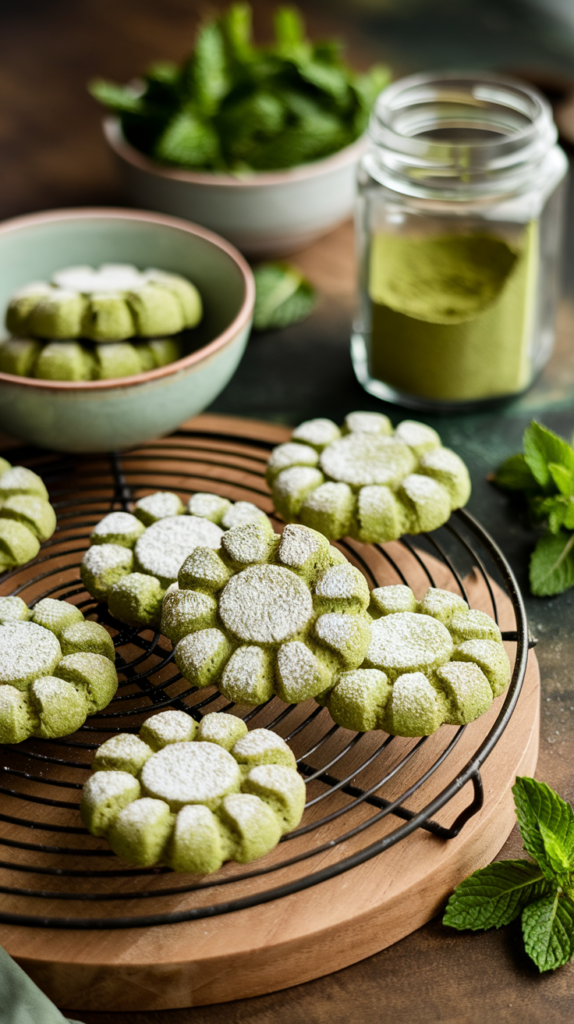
x=495 y=895
x=542 y=446
x=209 y=70
x=236 y=26
x=557 y=509
x=559 y=850
x=563 y=479
x=546 y=824
x=165 y=72
x=329 y=79
x=515 y=475
x=283 y=296
x=552 y=564
x=122 y=99
x=188 y=141
x=290 y=34
x=548 y=931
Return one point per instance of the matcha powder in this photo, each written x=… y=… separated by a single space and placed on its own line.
x=452 y=315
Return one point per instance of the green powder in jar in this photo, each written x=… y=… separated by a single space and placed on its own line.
x=452 y=315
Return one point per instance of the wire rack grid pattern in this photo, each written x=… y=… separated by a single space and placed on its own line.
x=366 y=792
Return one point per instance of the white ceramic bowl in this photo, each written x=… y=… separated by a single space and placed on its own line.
x=104 y=415
x=270 y=213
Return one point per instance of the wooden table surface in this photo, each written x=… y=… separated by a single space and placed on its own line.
x=52 y=154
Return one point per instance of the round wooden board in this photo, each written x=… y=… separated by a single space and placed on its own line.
x=319 y=929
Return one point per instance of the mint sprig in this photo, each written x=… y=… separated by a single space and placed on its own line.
x=540 y=891
x=544 y=474
x=282 y=296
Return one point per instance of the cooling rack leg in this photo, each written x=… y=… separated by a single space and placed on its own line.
x=469 y=812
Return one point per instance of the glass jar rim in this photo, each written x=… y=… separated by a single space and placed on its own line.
x=480 y=105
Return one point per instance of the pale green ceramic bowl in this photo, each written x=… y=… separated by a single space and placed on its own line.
x=113 y=414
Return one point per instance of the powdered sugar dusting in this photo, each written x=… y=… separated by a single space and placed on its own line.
x=466 y=678
x=247 y=544
x=317 y=432
x=26 y=651
x=291 y=454
x=160 y=505
x=298 y=668
x=244 y=673
x=342 y=582
x=198 y=648
x=105 y=786
x=415 y=434
x=412 y=694
x=409 y=642
x=423 y=489
x=336 y=630
x=208 y=506
x=297 y=480
x=163 y=547
x=118 y=523
x=258 y=742
x=241 y=513
x=171 y=726
x=265 y=604
x=443 y=460
x=368 y=423
x=330 y=497
x=298 y=544
x=190 y=773
x=360 y=459
x=107 y=556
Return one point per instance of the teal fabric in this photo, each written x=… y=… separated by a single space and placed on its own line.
x=21 y=1001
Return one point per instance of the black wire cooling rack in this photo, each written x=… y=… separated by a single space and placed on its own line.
x=366 y=792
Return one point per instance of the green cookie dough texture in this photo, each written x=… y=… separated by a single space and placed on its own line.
x=55 y=669
x=135 y=558
x=430 y=662
x=268 y=615
x=110 y=304
x=366 y=480
x=190 y=796
x=26 y=516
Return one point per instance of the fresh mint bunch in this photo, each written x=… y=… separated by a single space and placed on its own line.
x=545 y=476
x=234 y=106
x=282 y=296
x=540 y=892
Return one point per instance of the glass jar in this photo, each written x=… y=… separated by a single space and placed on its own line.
x=459 y=228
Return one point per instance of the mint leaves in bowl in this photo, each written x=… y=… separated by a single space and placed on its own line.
x=257 y=143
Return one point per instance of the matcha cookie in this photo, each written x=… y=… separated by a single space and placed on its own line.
x=367 y=480
x=134 y=558
x=81 y=360
x=268 y=615
x=26 y=516
x=110 y=304
x=55 y=669
x=430 y=662
x=193 y=797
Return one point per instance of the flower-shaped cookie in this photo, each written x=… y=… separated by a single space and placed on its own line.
x=26 y=516
x=74 y=360
x=367 y=481
x=133 y=558
x=193 y=796
x=430 y=662
x=268 y=615
x=113 y=303
x=56 y=668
